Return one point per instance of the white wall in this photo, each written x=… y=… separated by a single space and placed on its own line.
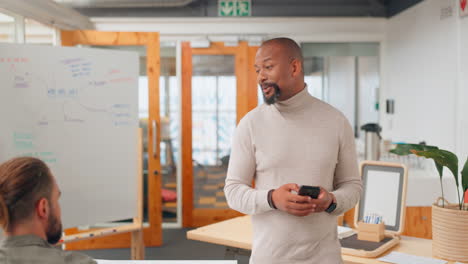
x=463 y=89
x=425 y=70
x=341 y=79
x=301 y=29
x=420 y=74
x=368 y=85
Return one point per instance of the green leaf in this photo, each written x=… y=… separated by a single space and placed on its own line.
x=440 y=168
x=464 y=174
x=443 y=158
x=405 y=149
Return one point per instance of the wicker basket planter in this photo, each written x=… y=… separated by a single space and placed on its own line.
x=449 y=232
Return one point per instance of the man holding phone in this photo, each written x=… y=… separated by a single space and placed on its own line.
x=292 y=140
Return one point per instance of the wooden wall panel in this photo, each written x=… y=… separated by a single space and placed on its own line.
x=418 y=221
x=349 y=218
x=209 y=216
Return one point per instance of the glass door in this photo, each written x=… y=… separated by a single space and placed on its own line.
x=214 y=121
x=217 y=91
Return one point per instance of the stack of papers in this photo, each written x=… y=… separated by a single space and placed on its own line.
x=403 y=258
x=344 y=232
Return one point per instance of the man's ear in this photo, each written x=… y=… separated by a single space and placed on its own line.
x=296 y=68
x=42 y=208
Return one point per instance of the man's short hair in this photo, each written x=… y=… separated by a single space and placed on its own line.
x=23 y=181
x=292 y=49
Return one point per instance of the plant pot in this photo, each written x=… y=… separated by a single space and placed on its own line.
x=449 y=232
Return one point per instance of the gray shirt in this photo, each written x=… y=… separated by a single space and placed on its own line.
x=31 y=249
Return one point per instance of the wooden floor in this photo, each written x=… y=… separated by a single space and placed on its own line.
x=208 y=190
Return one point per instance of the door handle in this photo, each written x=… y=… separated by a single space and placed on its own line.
x=155 y=146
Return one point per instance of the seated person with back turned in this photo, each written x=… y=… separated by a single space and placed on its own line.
x=30 y=215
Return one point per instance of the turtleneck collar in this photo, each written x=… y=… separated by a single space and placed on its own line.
x=299 y=100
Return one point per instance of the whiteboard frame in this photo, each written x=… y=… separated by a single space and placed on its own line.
x=150 y=40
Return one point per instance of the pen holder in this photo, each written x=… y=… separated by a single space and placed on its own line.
x=371 y=232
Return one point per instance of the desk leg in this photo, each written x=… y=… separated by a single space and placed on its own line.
x=231 y=252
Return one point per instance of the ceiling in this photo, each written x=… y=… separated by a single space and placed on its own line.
x=260 y=8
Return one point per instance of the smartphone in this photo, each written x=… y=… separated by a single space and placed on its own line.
x=312 y=191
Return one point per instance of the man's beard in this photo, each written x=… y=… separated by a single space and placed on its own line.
x=54 y=230
x=274 y=97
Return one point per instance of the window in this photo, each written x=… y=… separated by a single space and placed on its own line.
x=7 y=28
x=38 y=33
x=345 y=75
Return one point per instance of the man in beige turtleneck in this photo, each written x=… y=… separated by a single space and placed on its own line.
x=292 y=139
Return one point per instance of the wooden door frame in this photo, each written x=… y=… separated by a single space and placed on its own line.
x=246 y=100
x=153 y=233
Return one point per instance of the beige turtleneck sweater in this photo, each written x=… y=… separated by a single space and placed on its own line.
x=301 y=140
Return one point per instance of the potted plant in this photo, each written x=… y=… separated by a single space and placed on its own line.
x=449 y=221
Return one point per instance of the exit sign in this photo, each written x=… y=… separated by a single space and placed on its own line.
x=234 y=8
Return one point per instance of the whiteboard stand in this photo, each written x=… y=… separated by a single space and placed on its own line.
x=136 y=228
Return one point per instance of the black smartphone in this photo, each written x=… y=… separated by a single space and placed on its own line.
x=312 y=191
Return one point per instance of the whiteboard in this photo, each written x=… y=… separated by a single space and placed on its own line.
x=76 y=109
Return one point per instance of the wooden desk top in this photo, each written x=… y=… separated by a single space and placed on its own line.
x=237 y=232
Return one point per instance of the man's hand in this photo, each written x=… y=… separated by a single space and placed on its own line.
x=292 y=203
x=300 y=205
x=323 y=201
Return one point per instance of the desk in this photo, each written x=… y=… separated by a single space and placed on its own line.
x=237 y=233
x=99 y=261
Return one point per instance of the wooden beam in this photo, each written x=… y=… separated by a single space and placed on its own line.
x=138 y=244
x=154 y=162
x=186 y=144
x=100 y=233
x=102 y=38
x=122 y=240
x=242 y=81
x=252 y=92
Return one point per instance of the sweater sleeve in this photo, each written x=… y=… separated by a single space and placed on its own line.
x=238 y=189
x=347 y=181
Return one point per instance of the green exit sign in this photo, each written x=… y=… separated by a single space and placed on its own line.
x=234 y=7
